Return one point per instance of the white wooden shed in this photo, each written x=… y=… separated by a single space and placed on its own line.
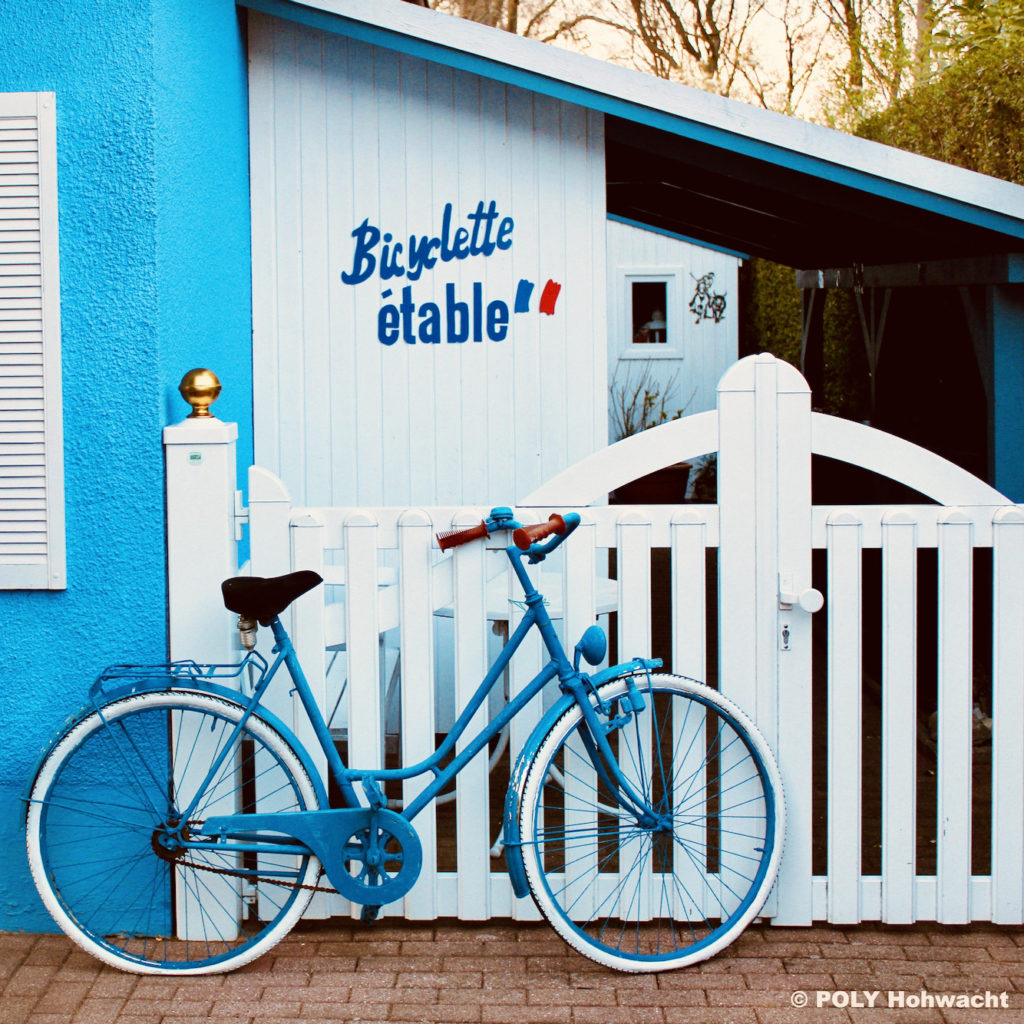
x=431 y=304
x=377 y=119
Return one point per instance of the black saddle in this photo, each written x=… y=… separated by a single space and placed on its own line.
x=254 y=597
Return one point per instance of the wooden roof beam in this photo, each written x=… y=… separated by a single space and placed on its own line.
x=999 y=268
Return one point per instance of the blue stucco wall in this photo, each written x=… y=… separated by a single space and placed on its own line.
x=155 y=279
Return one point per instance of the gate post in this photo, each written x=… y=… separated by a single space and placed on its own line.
x=764 y=498
x=199 y=466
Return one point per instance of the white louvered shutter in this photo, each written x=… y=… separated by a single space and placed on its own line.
x=31 y=445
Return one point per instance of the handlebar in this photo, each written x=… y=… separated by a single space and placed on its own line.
x=525 y=538
x=557 y=529
x=453 y=538
x=527 y=535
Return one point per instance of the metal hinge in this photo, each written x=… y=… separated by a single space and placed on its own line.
x=241 y=515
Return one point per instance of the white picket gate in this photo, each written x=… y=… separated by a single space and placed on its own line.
x=389 y=591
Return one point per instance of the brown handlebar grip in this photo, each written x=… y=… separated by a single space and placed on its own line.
x=453 y=538
x=527 y=535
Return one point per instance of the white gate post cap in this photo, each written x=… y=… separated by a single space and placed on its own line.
x=208 y=430
x=743 y=375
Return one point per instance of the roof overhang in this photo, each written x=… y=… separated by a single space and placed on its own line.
x=712 y=169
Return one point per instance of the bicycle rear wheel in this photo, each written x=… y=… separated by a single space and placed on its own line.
x=654 y=897
x=104 y=804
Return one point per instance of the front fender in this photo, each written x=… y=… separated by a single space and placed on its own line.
x=513 y=798
x=513 y=842
x=195 y=685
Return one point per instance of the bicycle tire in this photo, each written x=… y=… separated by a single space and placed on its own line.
x=95 y=816
x=644 y=899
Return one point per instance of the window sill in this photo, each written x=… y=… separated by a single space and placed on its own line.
x=650 y=352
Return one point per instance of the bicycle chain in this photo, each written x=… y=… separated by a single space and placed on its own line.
x=256 y=879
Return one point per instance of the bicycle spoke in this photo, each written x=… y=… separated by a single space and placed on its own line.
x=131 y=766
x=104 y=814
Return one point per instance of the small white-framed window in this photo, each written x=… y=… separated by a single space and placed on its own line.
x=651 y=320
x=32 y=545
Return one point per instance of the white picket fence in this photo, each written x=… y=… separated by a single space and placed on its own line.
x=386 y=586
x=391 y=599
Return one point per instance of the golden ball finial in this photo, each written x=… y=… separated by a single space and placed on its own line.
x=200 y=389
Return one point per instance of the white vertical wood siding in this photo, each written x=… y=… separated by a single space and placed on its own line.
x=343 y=132
x=31 y=447
x=706 y=349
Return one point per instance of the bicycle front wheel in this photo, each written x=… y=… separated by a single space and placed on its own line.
x=103 y=815
x=677 y=888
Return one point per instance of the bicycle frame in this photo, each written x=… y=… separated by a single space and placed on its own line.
x=347 y=778
x=571 y=680
x=315 y=830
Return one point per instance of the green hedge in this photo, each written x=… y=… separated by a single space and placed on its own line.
x=772 y=322
x=971 y=116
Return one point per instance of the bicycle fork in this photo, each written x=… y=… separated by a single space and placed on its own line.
x=594 y=733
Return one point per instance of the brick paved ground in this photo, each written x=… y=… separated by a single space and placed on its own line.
x=505 y=972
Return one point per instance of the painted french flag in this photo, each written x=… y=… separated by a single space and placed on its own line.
x=549 y=297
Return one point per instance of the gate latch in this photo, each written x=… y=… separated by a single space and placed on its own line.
x=809 y=600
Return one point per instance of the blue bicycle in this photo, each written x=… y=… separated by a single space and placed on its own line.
x=176 y=826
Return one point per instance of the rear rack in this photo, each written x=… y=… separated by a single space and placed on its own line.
x=170 y=675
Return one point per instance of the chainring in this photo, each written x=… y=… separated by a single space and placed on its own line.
x=383 y=858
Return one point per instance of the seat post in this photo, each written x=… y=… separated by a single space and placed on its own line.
x=247 y=629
